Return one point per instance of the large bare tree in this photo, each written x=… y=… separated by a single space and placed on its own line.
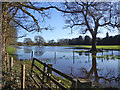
x=23 y=14
x=91 y=16
x=27 y=15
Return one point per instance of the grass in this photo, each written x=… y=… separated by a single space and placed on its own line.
x=11 y=50
x=103 y=46
x=98 y=46
x=111 y=57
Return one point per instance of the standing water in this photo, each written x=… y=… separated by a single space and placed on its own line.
x=100 y=68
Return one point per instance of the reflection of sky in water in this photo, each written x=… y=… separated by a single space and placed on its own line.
x=79 y=66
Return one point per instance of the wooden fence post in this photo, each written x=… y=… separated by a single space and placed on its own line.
x=7 y=61
x=102 y=51
x=32 y=65
x=74 y=84
x=31 y=55
x=112 y=52
x=44 y=72
x=73 y=56
x=89 y=58
x=49 y=72
x=55 y=57
x=23 y=77
x=11 y=63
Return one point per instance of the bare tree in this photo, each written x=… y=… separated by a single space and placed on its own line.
x=28 y=41
x=23 y=15
x=91 y=16
x=39 y=40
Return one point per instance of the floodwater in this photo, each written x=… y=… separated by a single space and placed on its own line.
x=100 y=68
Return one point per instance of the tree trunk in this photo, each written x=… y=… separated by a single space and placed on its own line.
x=93 y=43
x=4 y=29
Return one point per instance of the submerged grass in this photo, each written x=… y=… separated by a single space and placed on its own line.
x=87 y=51
x=80 y=51
x=111 y=57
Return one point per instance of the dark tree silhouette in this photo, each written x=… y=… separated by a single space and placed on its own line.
x=87 y=40
x=108 y=40
x=91 y=16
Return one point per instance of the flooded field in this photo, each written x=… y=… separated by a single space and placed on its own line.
x=101 y=68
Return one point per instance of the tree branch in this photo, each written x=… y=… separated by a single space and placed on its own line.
x=15 y=37
x=86 y=21
x=13 y=15
x=35 y=20
x=45 y=8
x=22 y=26
x=77 y=25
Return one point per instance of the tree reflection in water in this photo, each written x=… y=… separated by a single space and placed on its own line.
x=27 y=50
x=39 y=51
x=97 y=77
x=88 y=54
x=80 y=53
x=92 y=74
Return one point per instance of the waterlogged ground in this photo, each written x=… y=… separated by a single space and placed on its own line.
x=100 y=68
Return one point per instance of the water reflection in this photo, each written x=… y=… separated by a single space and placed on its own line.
x=86 y=54
x=97 y=77
x=39 y=51
x=55 y=57
x=80 y=53
x=93 y=69
x=27 y=50
x=73 y=56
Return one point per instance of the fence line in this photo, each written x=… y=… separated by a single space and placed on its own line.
x=45 y=79
x=45 y=82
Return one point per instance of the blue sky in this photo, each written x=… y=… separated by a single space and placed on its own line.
x=57 y=21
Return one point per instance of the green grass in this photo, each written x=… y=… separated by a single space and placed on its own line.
x=11 y=50
x=103 y=46
x=98 y=46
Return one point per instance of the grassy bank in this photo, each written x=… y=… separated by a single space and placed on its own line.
x=98 y=46
x=10 y=50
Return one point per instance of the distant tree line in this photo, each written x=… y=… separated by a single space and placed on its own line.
x=39 y=40
x=112 y=40
x=108 y=40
